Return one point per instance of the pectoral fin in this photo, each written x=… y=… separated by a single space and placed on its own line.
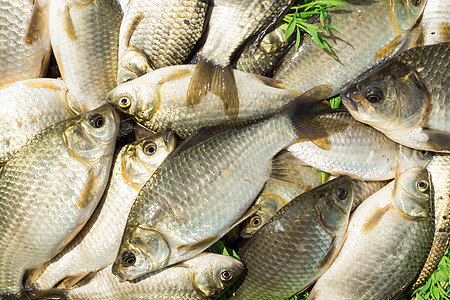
x=89 y=192
x=438 y=141
x=444 y=31
x=218 y=79
x=67 y=24
x=372 y=221
x=38 y=24
x=388 y=49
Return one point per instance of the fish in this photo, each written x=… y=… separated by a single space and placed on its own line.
x=48 y=190
x=435 y=24
x=221 y=169
x=28 y=107
x=298 y=244
x=386 y=243
x=291 y=179
x=205 y=276
x=439 y=168
x=158 y=100
x=360 y=152
x=97 y=244
x=24 y=40
x=232 y=23
x=157 y=34
x=85 y=40
x=407 y=98
x=365 y=40
x=268 y=54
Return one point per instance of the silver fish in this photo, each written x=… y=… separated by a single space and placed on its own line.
x=365 y=40
x=407 y=98
x=49 y=188
x=24 y=40
x=85 y=38
x=28 y=107
x=174 y=216
x=158 y=33
x=97 y=244
x=387 y=242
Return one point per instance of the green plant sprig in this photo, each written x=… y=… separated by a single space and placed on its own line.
x=297 y=21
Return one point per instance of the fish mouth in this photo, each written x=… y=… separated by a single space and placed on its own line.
x=347 y=100
x=122 y=276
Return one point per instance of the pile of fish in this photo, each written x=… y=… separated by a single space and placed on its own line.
x=168 y=124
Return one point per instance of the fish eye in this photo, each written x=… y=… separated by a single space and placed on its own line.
x=423 y=153
x=96 y=121
x=255 y=221
x=149 y=148
x=373 y=94
x=416 y=2
x=226 y=276
x=422 y=186
x=341 y=193
x=124 y=102
x=128 y=258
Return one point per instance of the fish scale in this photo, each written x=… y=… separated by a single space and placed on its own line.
x=87 y=56
x=362 y=35
x=21 y=60
x=27 y=108
x=185 y=193
x=40 y=190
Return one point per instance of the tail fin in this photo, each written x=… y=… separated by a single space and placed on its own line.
x=309 y=123
x=218 y=79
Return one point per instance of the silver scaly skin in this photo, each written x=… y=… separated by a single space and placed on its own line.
x=435 y=24
x=365 y=189
x=360 y=152
x=28 y=107
x=158 y=100
x=157 y=34
x=49 y=188
x=175 y=217
x=407 y=98
x=24 y=40
x=298 y=244
x=202 y=277
x=97 y=244
x=388 y=239
x=439 y=169
x=366 y=39
x=85 y=38
x=267 y=55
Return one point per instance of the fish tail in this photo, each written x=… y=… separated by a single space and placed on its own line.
x=209 y=76
x=308 y=121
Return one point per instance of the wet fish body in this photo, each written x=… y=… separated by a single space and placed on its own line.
x=29 y=107
x=360 y=152
x=266 y=57
x=439 y=169
x=297 y=245
x=358 y=47
x=49 y=188
x=435 y=24
x=392 y=229
x=97 y=244
x=407 y=98
x=198 y=278
x=157 y=34
x=158 y=100
x=174 y=216
x=24 y=40
x=85 y=38
x=239 y=19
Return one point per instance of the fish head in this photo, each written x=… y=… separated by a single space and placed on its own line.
x=137 y=98
x=215 y=273
x=334 y=201
x=412 y=194
x=269 y=205
x=92 y=136
x=410 y=158
x=143 y=250
x=405 y=13
x=389 y=98
x=141 y=158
